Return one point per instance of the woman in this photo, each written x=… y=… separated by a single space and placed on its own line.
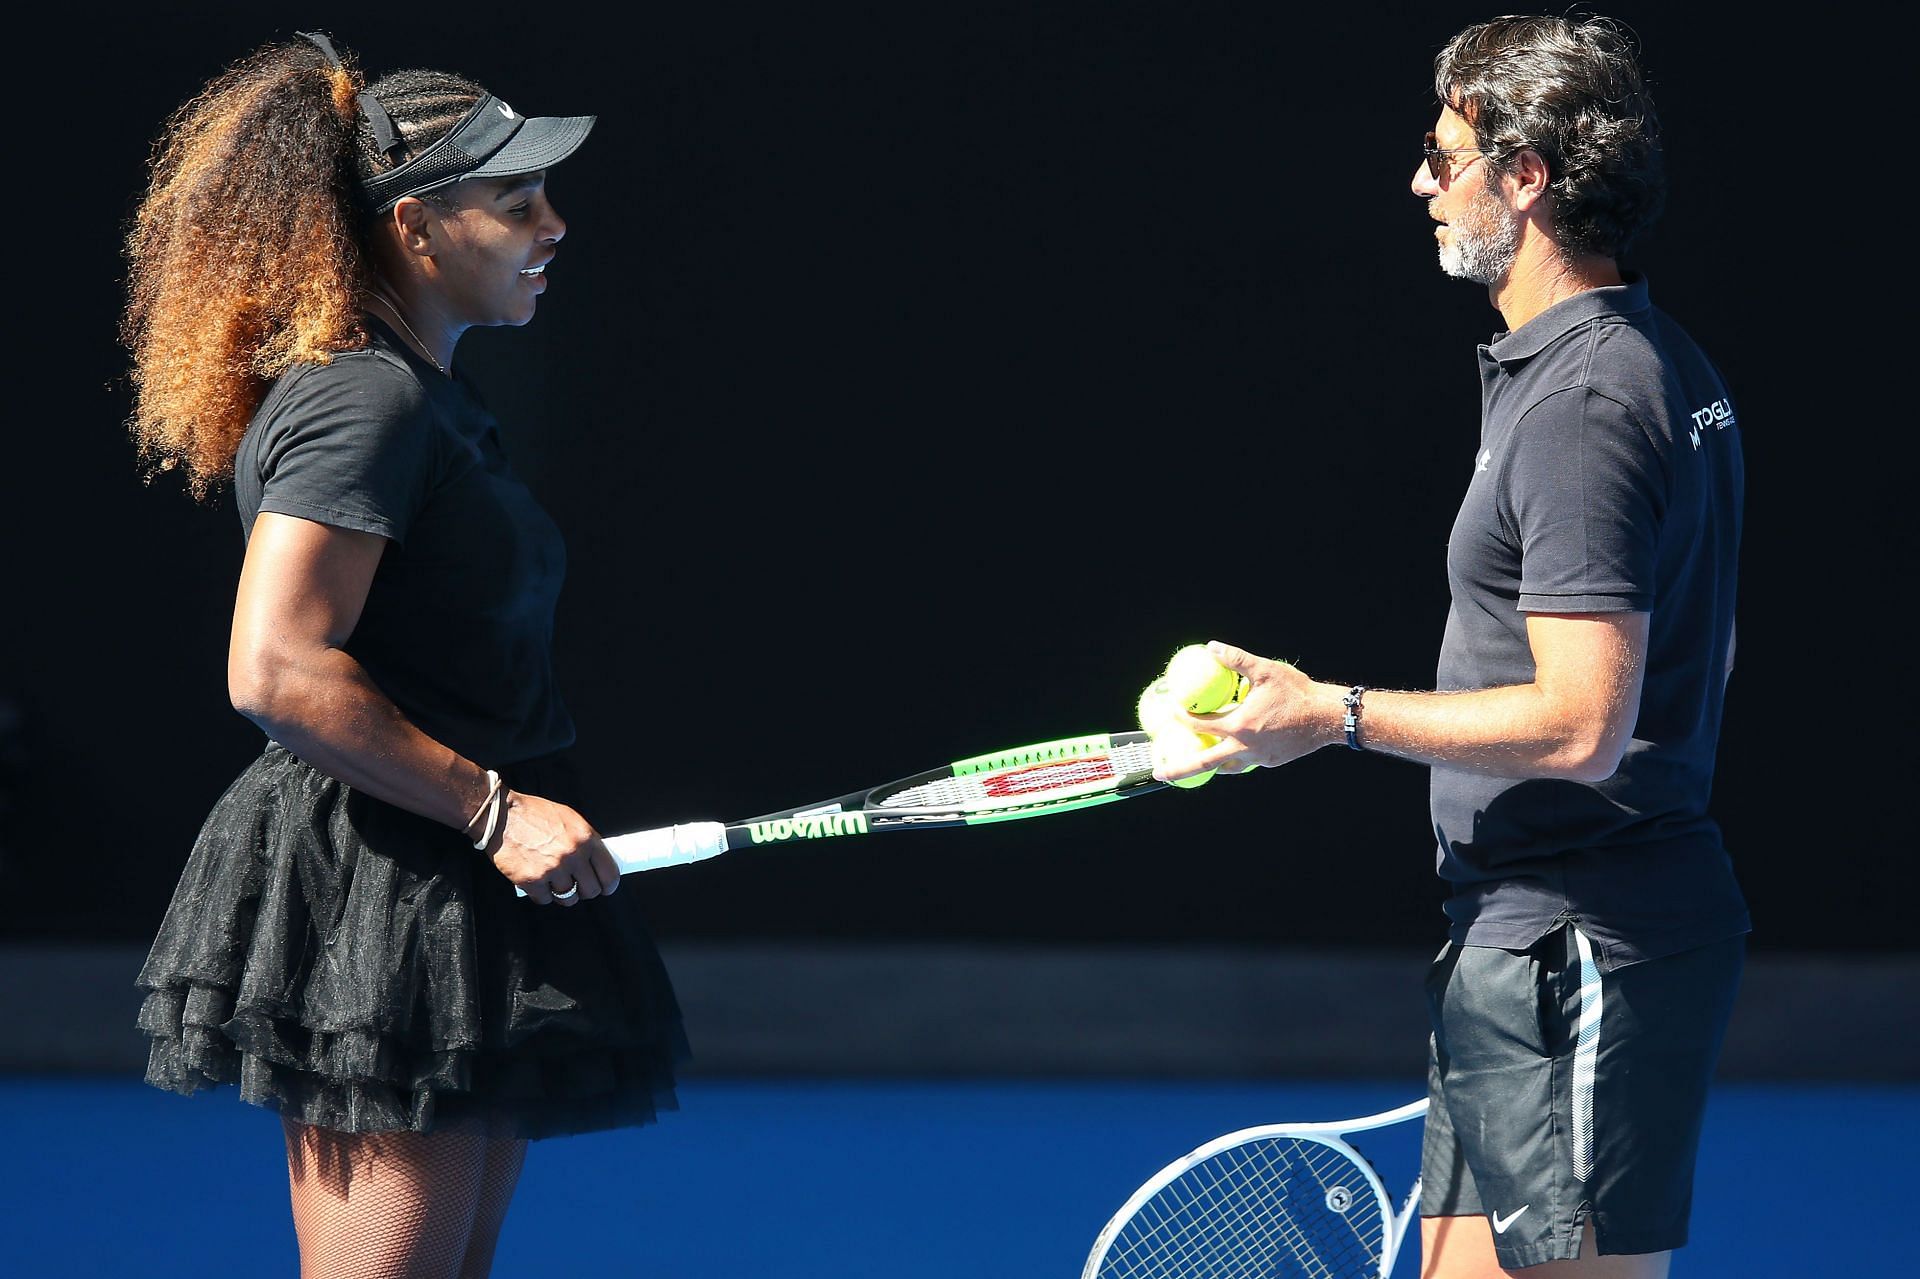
x=305 y=259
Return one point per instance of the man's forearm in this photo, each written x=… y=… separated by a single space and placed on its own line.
x=1517 y=731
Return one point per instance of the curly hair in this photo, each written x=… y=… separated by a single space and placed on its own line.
x=1571 y=91
x=246 y=253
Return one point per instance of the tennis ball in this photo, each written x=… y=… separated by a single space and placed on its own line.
x=1156 y=710
x=1198 y=682
x=1177 y=740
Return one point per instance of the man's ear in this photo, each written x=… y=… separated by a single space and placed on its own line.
x=1529 y=178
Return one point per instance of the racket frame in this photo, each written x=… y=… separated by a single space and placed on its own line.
x=1331 y=1133
x=866 y=812
x=869 y=812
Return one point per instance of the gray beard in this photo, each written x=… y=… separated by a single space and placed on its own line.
x=1484 y=244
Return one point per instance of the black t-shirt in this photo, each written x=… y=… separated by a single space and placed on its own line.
x=1608 y=479
x=458 y=624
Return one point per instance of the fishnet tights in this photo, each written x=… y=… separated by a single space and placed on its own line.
x=399 y=1205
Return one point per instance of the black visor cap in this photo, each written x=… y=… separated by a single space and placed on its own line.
x=491 y=141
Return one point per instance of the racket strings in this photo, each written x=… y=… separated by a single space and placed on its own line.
x=1263 y=1208
x=1030 y=783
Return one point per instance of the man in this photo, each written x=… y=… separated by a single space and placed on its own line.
x=1596 y=929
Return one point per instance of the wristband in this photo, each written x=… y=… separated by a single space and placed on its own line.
x=489 y=806
x=1350 y=722
x=494 y=809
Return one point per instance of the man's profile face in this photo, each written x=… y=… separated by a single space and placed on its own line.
x=1479 y=232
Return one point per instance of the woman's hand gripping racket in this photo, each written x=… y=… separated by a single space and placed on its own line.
x=1025 y=781
x=1281 y=1200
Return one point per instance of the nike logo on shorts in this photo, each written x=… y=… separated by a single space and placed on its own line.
x=1500 y=1223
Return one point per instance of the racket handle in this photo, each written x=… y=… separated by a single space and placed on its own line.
x=667 y=846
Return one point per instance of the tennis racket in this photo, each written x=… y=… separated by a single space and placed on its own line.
x=1277 y=1200
x=1025 y=781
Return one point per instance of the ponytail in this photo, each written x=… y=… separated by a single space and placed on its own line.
x=244 y=255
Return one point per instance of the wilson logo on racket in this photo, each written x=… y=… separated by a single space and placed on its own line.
x=823 y=826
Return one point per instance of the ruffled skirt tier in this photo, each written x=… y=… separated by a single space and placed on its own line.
x=358 y=967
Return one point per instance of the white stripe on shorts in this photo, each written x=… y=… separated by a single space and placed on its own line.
x=1586 y=1052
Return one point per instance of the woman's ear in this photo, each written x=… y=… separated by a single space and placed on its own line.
x=412 y=225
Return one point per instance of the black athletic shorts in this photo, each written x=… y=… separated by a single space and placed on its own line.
x=1560 y=1095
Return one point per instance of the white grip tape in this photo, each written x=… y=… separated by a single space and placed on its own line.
x=667 y=846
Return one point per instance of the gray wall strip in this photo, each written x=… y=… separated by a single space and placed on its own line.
x=870 y=1009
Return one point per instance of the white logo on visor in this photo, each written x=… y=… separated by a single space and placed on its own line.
x=505 y=110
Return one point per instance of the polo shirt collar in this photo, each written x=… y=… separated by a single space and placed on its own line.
x=1554 y=323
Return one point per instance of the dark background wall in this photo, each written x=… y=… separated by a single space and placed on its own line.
x=913 y=379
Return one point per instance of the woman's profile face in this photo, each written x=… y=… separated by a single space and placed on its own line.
x=496 y=242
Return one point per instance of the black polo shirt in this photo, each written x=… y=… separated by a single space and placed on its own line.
x=1608 y=478
x=457 y=628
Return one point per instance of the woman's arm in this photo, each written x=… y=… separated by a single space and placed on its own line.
x=302 y=587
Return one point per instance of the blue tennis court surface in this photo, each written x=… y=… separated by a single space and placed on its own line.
x=906 y=1180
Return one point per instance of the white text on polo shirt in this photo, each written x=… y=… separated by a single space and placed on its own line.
x=1718 y=415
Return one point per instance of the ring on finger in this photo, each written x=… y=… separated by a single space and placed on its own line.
x=568 y=895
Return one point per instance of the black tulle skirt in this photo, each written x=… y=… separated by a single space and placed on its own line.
x=355 y=966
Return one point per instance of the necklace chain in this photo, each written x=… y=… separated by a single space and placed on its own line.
x=394 y=306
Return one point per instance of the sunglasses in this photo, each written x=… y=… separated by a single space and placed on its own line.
x=1440 y=159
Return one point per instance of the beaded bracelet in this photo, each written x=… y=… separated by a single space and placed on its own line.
x=1350 y=722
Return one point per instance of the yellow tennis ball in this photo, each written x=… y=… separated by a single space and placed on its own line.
x=1156 y=710
x=1178 y=740
x=1198 y=682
